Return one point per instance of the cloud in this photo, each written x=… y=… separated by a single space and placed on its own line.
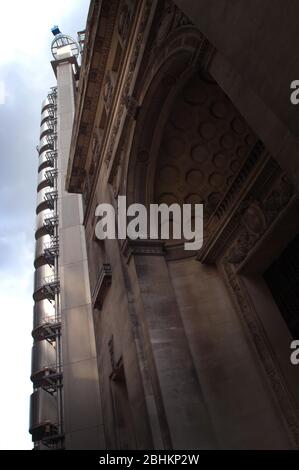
x=25 y=26
x=25 y=76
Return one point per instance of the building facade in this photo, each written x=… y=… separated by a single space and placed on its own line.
x=140 y=344
x=188 y=102
x=65 y=406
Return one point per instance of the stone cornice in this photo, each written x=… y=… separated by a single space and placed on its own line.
x=120 y=111
x=103 y=16
x=142 y=248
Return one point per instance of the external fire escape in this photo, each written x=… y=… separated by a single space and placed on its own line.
x=46 y=423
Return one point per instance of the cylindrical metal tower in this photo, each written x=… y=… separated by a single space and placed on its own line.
x=64 y=410
x=46 y=416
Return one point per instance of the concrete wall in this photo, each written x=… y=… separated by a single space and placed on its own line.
x=82 y=412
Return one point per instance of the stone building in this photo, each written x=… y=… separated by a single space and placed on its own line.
x=189 y=102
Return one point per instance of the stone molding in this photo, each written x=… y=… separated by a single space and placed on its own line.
x=268 y=360
x=102 y=285
x=142 y=248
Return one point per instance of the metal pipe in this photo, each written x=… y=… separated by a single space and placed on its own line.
x=58 y=312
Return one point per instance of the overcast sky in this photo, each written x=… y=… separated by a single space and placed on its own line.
x=25 y=77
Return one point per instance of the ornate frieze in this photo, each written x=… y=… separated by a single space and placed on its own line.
x=108 y=90
x=128 y=80
x=171 y=19
x=257 y=218
x=124 y=20
x=240 y=219
x=90 y=87
x=142 y=248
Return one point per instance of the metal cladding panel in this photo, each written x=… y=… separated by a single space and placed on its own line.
x=45 y=128
x=44 y=145
x=40 y=245
x=43 y=312
x=42 y=275
x=46 y=104
x=43 y=162
x=43 y=412
x=42 y=179
x=46 y=115
x=43 y=357
x=41 y=202
x=40 y=220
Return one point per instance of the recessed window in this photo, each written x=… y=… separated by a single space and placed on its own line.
x=282 y=278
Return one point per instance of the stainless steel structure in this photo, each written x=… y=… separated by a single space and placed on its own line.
x=45 y=220
x=43 y=362
x=65 y=405
x=62 y=41
x=43 y=417
x=44 y=319
x=46 y=418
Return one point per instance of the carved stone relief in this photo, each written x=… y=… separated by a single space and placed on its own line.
x=171 y=19
x=257 y=218
x=124 y=20
x=108 y=91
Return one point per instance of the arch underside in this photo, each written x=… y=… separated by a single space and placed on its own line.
x=191 y=145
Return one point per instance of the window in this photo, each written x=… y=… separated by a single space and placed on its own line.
x=282 y=278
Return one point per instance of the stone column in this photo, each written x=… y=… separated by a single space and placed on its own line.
x=167 y=347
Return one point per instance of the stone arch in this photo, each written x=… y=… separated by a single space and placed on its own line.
x=214 y=156
x=158 y=84
x=189 y=141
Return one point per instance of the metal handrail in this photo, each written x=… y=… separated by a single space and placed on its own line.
x=49 y=280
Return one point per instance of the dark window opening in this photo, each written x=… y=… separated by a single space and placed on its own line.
x=282 y=278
